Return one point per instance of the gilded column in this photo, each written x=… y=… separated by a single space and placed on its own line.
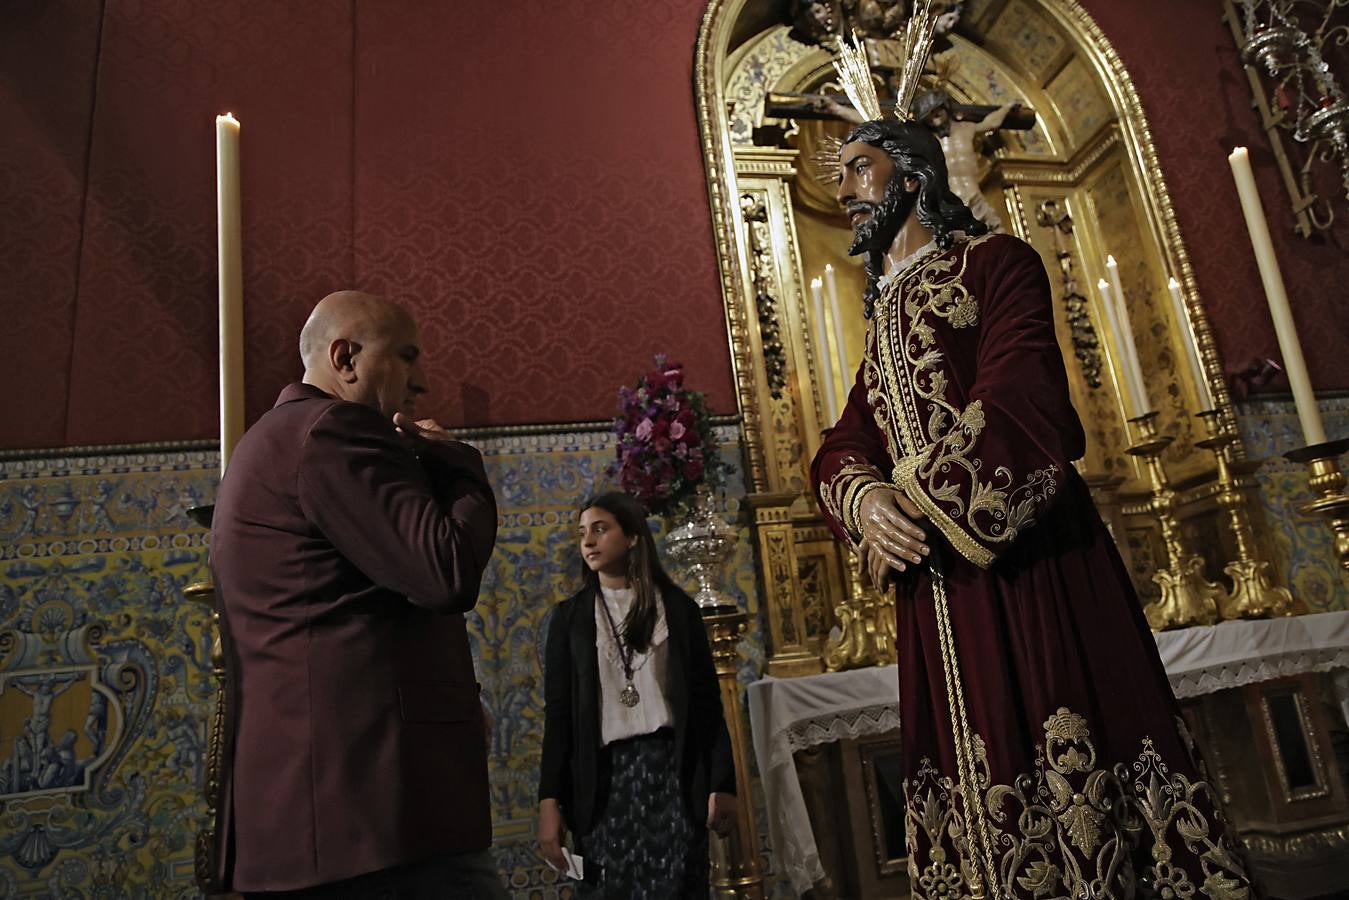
x=791 y=650
x=735 y=859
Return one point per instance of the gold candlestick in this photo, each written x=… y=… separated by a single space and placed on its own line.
x=207 y=853
x=1252 y=595
x=735 y=858
x=1188 y=598
x=866 y=625
x=1327 y=484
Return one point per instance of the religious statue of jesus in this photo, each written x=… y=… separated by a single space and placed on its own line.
x=958 y=133
x=1044 y=755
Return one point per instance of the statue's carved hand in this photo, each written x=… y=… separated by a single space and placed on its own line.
x=832 y=107
x=998 y=116
x=892 y=540
x=872 y=566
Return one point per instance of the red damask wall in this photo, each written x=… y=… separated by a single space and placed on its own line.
x=525 y=174
x=1185 y=65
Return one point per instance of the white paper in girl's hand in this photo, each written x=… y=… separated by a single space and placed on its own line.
x=575 y=865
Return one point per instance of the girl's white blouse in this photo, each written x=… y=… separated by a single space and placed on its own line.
x=649 y=673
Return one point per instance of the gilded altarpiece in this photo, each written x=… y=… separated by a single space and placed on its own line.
x=1082 y=184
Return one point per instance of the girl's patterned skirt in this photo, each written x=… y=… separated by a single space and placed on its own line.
x=644 y=842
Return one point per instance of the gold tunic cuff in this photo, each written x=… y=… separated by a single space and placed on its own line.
x=906 y=476
x=852 y=503
x=842 y=496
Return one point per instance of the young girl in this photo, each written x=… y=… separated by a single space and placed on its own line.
x=636 y=755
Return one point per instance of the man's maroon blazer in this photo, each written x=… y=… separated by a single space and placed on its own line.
x=344 y=558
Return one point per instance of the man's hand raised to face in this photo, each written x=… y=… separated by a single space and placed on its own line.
x=426 y=429
x=452 y=451
x=891 y=538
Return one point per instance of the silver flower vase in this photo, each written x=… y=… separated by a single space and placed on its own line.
x=700 y=547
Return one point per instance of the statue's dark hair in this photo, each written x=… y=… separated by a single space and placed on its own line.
x=917 y=154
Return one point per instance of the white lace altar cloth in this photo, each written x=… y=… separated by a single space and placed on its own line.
x=790 y=714
x=1211 y=658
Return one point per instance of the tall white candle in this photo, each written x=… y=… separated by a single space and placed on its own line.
x=1122 y=379
x=1130 y=374
x=841 y=348
x=229 y=245
x=826 y=362
x=1284 y=327
x=1190 y=339
x=1133 y=368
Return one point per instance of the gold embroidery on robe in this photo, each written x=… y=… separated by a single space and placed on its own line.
x=910 y=373
x=1070 y=828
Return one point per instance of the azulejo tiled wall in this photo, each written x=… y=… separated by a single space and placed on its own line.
x=105 y=680
x=1305 y=553
x=105 y=684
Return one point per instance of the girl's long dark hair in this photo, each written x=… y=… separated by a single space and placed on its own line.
x=645 y=573
x=917 y=154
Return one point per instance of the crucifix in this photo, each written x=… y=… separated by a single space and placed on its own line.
x=956 y=125
x=836 y=106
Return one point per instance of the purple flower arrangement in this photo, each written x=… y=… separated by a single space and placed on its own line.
x=666 y=446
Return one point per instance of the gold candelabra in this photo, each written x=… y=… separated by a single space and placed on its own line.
x=1252 y=595
x=1329 y=501
x=866 y=622
x=1188 y=598
x=735 y=858
x=206 y=856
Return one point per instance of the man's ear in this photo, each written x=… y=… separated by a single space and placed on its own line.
x=911 y=184
x=342 y=356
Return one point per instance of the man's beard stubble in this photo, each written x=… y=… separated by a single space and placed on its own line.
x=877 y=232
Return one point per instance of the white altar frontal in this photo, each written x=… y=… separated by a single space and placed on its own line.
x=788 y=715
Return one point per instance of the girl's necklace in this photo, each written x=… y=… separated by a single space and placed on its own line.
x=628 y=696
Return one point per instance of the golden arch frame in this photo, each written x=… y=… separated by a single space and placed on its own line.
x=1108 y=173
x=734 y=248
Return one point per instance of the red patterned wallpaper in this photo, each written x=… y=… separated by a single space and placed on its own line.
x=538 y=201
x=538 y=195
x=1185 y=65
x=147 y=314
x=527 y=179
x=44 y=142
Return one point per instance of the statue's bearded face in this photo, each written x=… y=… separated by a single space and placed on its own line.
x=874 y=197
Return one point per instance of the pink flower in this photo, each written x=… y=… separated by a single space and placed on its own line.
x=665 y=447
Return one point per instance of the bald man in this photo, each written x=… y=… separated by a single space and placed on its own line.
x=348 y=541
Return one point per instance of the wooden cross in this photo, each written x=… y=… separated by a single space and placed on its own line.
x=826 y=106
